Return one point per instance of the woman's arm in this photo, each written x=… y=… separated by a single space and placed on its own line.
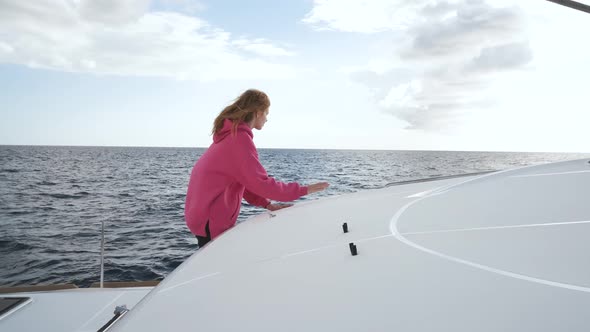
x=253 y=176
x=255 y=200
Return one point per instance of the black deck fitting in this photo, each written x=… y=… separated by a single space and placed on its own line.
x=345 y=227
x=352 y=249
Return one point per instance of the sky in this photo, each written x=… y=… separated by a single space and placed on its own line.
x=468 y=75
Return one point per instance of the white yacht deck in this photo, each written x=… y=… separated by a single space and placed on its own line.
x=505 y=251
x=81 y=310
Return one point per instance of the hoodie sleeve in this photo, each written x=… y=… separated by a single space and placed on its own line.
x=254 y=199
x=253 y=175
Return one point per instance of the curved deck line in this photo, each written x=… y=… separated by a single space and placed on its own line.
x=189 y=281
x=548 y=174
x=395 y=232
x=499 y=227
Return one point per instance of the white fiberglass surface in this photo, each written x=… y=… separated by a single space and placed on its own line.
x=388 y=286
x=505 y=199
x=70 y=310
x=554 y=254
x=535 y=230
x=499 y=252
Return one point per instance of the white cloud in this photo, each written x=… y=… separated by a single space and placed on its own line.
x=447 y=53
x=89 y=64
x=463 y=28
x=124 y=38
x=362 y=16
x=501 y=57
x=112 y=11
x=5 y=48
x=261 y=47
x=184 y=6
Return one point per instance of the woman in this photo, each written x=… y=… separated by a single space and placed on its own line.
x=230 y=170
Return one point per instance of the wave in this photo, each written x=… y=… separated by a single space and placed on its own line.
x=46 y=183
x=20 y=213
x=13 y=245
x=77 y=195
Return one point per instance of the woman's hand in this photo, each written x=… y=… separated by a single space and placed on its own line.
x=313 y=188
x=274 y=207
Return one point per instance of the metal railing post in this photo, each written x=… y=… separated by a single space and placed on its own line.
x=102 y=256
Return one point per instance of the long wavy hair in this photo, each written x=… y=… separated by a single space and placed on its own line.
x=242 y=109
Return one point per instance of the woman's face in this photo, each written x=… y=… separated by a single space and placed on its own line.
x=260 y=119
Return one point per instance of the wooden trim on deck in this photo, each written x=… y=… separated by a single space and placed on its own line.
x=44 y=288
x=126 y=284
x=38 y=288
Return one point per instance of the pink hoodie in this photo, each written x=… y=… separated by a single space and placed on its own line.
x=226 y=172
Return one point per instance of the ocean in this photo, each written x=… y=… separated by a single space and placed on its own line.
x=54 y=198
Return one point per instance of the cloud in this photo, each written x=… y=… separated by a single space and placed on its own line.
x=362 y=16
x=125 y=38
x=112 y=11
x=449 y=55
x=261 y=47
x=463 y=27
x=5 y=48
x=183 y=6
x=501 y=57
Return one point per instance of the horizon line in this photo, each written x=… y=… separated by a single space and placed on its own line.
x=263 y=148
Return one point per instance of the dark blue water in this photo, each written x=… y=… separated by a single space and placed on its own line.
x=53 y=200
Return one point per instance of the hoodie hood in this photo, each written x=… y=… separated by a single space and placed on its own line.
x=225 y=131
